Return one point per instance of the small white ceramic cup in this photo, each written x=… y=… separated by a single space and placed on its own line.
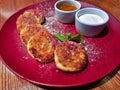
x=90 y=29
x=66 y=16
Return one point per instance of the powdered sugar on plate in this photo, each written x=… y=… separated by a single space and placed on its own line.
x=94 y=53
x=53 y=26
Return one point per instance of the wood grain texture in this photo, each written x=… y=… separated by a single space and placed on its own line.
x=8 y=81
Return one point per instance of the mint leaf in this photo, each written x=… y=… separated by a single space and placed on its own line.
x=68 y=36
x=60 y=37
x=77 y=38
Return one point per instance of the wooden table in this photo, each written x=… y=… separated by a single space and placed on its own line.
x=8 y=81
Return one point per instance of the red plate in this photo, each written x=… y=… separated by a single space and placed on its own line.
x=103 y=51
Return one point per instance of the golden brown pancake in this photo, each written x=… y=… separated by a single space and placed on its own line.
x=25 y=20
x=41 y=47
x=29 y=17
x=30 y=31
x=38 y=15
x=70 y=57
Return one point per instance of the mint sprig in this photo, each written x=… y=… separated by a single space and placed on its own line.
x=68 y=36
x=60 y=37
x=77 y=38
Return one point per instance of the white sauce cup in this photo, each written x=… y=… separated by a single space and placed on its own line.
x=90 y=28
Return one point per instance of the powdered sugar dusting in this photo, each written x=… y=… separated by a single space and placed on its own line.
x=93 y=52
x=25 y=58
x=53 y=26
x=48 y=69
x=43 y=66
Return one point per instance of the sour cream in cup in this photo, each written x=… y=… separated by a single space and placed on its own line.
x=90 y=21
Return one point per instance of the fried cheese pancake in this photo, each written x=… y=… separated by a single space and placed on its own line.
x=70 y=57
x=41 y=47
x=29 y=17
x=25 y=20
x=30 y=31
x=38 y=15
